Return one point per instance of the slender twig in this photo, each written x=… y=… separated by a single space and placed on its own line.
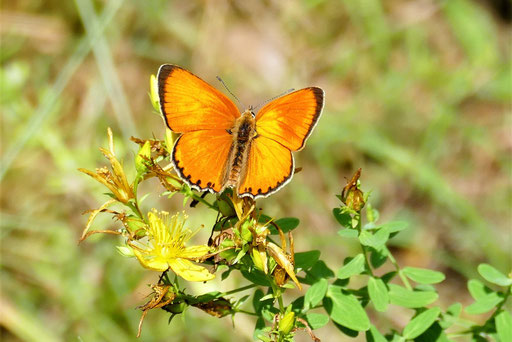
x=399 y=271
x=363 y=247
x=240 y=289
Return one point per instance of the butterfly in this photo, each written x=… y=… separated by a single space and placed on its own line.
x=220 y=147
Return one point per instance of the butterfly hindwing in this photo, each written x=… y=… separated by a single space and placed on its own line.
x=269 y=167
x=189 y=104
x=290 y=119
x=200 y=158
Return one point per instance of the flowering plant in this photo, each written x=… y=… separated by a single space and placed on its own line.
x=242 y=242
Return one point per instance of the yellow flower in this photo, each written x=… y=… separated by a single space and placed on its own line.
x=165 y=247
x=114 y=180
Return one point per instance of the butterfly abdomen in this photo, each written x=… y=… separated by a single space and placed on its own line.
x=243 y=132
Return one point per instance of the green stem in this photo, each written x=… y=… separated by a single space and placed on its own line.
x=399 y=271
x=247 y=312
x=277 y=294
x=135 y=206
x=239 y=290
x=202 y=200
x=363 y=247
x=281 y=305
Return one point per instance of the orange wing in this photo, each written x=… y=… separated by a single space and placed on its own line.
x=200 y=158
x=189 y=104
x=269 y=167
x=290 y=119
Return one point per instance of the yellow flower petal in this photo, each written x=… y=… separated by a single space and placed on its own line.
x=189 y=271
x=194 y=252
x=152 y=262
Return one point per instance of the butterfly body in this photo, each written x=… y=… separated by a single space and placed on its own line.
x=221 y=147
x=243 y=133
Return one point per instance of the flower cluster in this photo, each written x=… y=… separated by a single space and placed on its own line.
x=160 y=241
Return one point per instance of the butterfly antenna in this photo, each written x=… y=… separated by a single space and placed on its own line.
x=229 y=91
x=275 y=97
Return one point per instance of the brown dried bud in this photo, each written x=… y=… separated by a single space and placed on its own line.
x=351 y=195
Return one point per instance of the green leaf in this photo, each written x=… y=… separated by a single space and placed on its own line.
x=378 y=294
x=343 y=218
x=354 y=266
x=373 y=335
x=478 y=290
x=225 y=208
x=484 y=304
x=423 y=275
x=395 y=226
x=286 y=224
x=346 y=310
x=348 y=233
x=259 y=333
x=504 y=326
x=256 y=277
x=316 y=293
x=401 y=296
x=485 y=298
x=264 y=219
x=378 y=256
x=241 y=253
x=320 y=270
x=229 y=255
x=420 y=323
x=305 y=260
x=375 y=240
x=435 y=333
x=395 y=337
x=298 y=304
x=494 y=276
x=451 y=316
x=454 y=310
x=316 y=320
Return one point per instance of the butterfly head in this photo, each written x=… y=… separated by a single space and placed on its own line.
x=251 y=110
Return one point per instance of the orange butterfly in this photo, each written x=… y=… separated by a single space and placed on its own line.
x=221 y=147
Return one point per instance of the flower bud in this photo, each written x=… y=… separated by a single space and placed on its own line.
x=143 y=158
x=287 y=322
x=153 y=92
x=259 y=258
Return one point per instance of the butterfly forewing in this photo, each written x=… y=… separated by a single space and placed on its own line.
x=203 y=114
x=189 y=104
x=290 y=119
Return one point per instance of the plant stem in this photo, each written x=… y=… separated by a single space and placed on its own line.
x=399 y=271
x=247 y=312
x=363 y=247
x=202 y=200
x=280 y=300
x=135 y=205
x=277 y=294
x=243 y=288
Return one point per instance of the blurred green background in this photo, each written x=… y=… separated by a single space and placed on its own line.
x=418 y=94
